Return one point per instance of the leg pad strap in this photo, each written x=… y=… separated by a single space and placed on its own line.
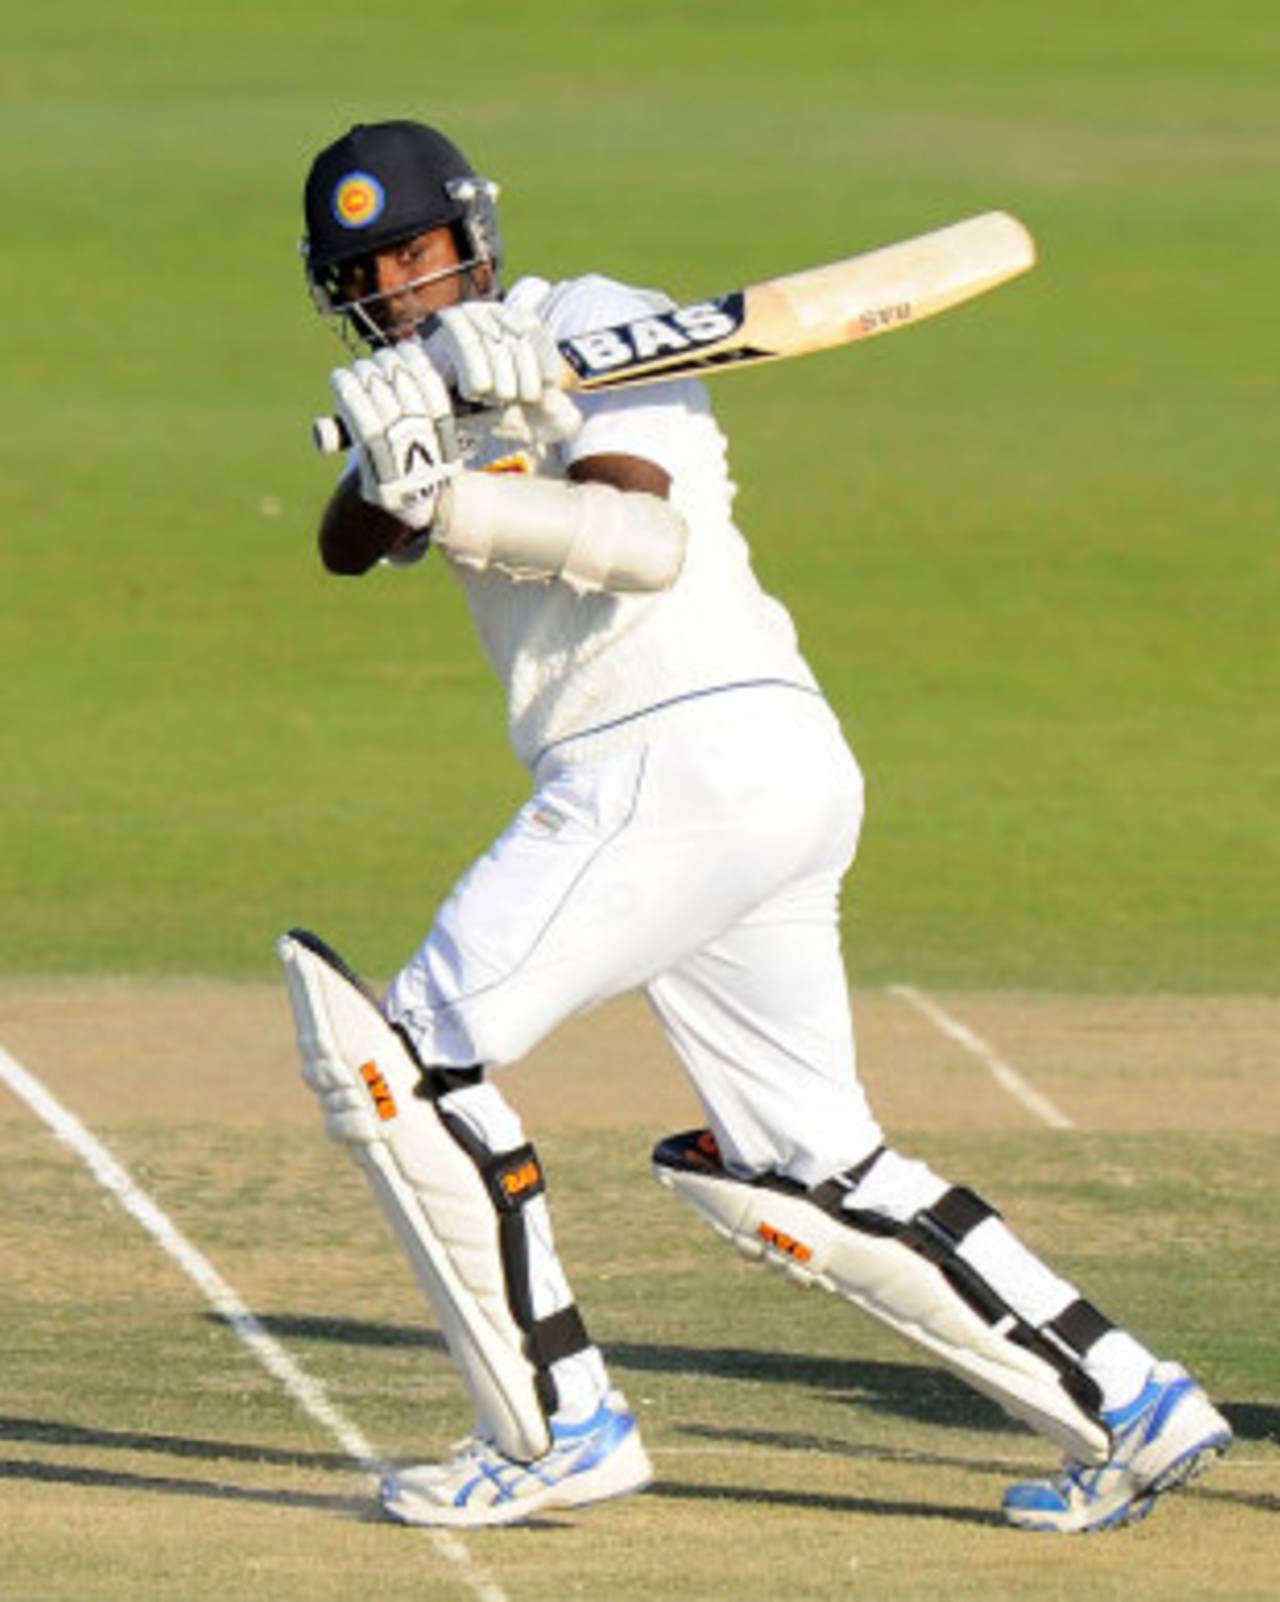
x=910 y=1277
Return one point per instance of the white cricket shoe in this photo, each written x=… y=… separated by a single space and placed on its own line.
x=589 y=1462
x=1171 y=1434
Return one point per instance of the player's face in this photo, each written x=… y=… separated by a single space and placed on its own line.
x=409 y=281
x=408 y=276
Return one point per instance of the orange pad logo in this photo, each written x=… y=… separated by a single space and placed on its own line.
x=782 y=1242
x=519 y=1181
x=379 y=1089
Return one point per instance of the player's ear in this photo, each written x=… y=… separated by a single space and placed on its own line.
x=482 y=279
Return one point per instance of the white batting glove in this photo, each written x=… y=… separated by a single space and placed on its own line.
x=503 y=359
x=400 y=420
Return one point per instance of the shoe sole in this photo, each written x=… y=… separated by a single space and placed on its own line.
x=1198 y=1461
x=1193 y=1463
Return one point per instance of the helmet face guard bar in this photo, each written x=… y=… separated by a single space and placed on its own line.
x=363 y=321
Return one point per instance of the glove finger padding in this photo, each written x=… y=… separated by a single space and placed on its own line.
x=393 y=397
x=463 y=349
x=502 y=357
x=398 y=415
x=505 y=360
x=355 y=404
x=505 y=370
x=527 y=341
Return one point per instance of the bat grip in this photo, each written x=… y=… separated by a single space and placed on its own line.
x=331 y=436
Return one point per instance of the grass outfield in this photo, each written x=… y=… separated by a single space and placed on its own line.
x=799 y=1450
x=1030 y=547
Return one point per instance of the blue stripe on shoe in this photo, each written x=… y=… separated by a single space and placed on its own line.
x=611 y=1435
x=1035 y=1496
x=1117 y=1417
x=1160 y=1416
x=571 y=1432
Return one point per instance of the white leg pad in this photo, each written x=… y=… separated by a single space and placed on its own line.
x=896 y=1285
x=428 y=1187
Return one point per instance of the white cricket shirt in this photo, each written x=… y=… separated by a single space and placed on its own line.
x=576 y=664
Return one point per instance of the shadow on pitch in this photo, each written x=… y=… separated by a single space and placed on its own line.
x=866 y=1506
x=837 y=1446
x=830 y=1446
x=1253 y=1421
x=905 y=1390
x=46 y=1432
x=80 y=1438
x=879 y=1507
x=173 y=1485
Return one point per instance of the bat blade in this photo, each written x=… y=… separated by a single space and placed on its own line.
x=897 y=285
x=824 y=307
x=877 y=292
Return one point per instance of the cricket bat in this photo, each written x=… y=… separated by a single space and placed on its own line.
x=878 y=292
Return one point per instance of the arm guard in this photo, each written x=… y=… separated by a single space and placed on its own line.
x=590 y=535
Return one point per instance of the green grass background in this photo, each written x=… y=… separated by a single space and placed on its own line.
x=1030 y=548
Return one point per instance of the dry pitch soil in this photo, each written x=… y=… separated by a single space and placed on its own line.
x=187 y=1051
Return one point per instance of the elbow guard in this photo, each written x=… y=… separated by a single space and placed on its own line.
x=591 y=536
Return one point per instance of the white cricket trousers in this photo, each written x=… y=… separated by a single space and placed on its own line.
x=697 y=855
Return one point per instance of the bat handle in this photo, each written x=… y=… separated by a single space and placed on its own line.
x=330 y=435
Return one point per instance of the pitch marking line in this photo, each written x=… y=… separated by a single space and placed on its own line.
x=305 y=1391
x=1004 y=1074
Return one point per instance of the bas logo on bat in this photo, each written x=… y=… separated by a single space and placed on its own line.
x=688 y=328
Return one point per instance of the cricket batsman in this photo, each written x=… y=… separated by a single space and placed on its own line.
x=693 y=810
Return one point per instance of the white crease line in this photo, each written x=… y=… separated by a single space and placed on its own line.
x=305 y=1391
x=1004 y=1074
